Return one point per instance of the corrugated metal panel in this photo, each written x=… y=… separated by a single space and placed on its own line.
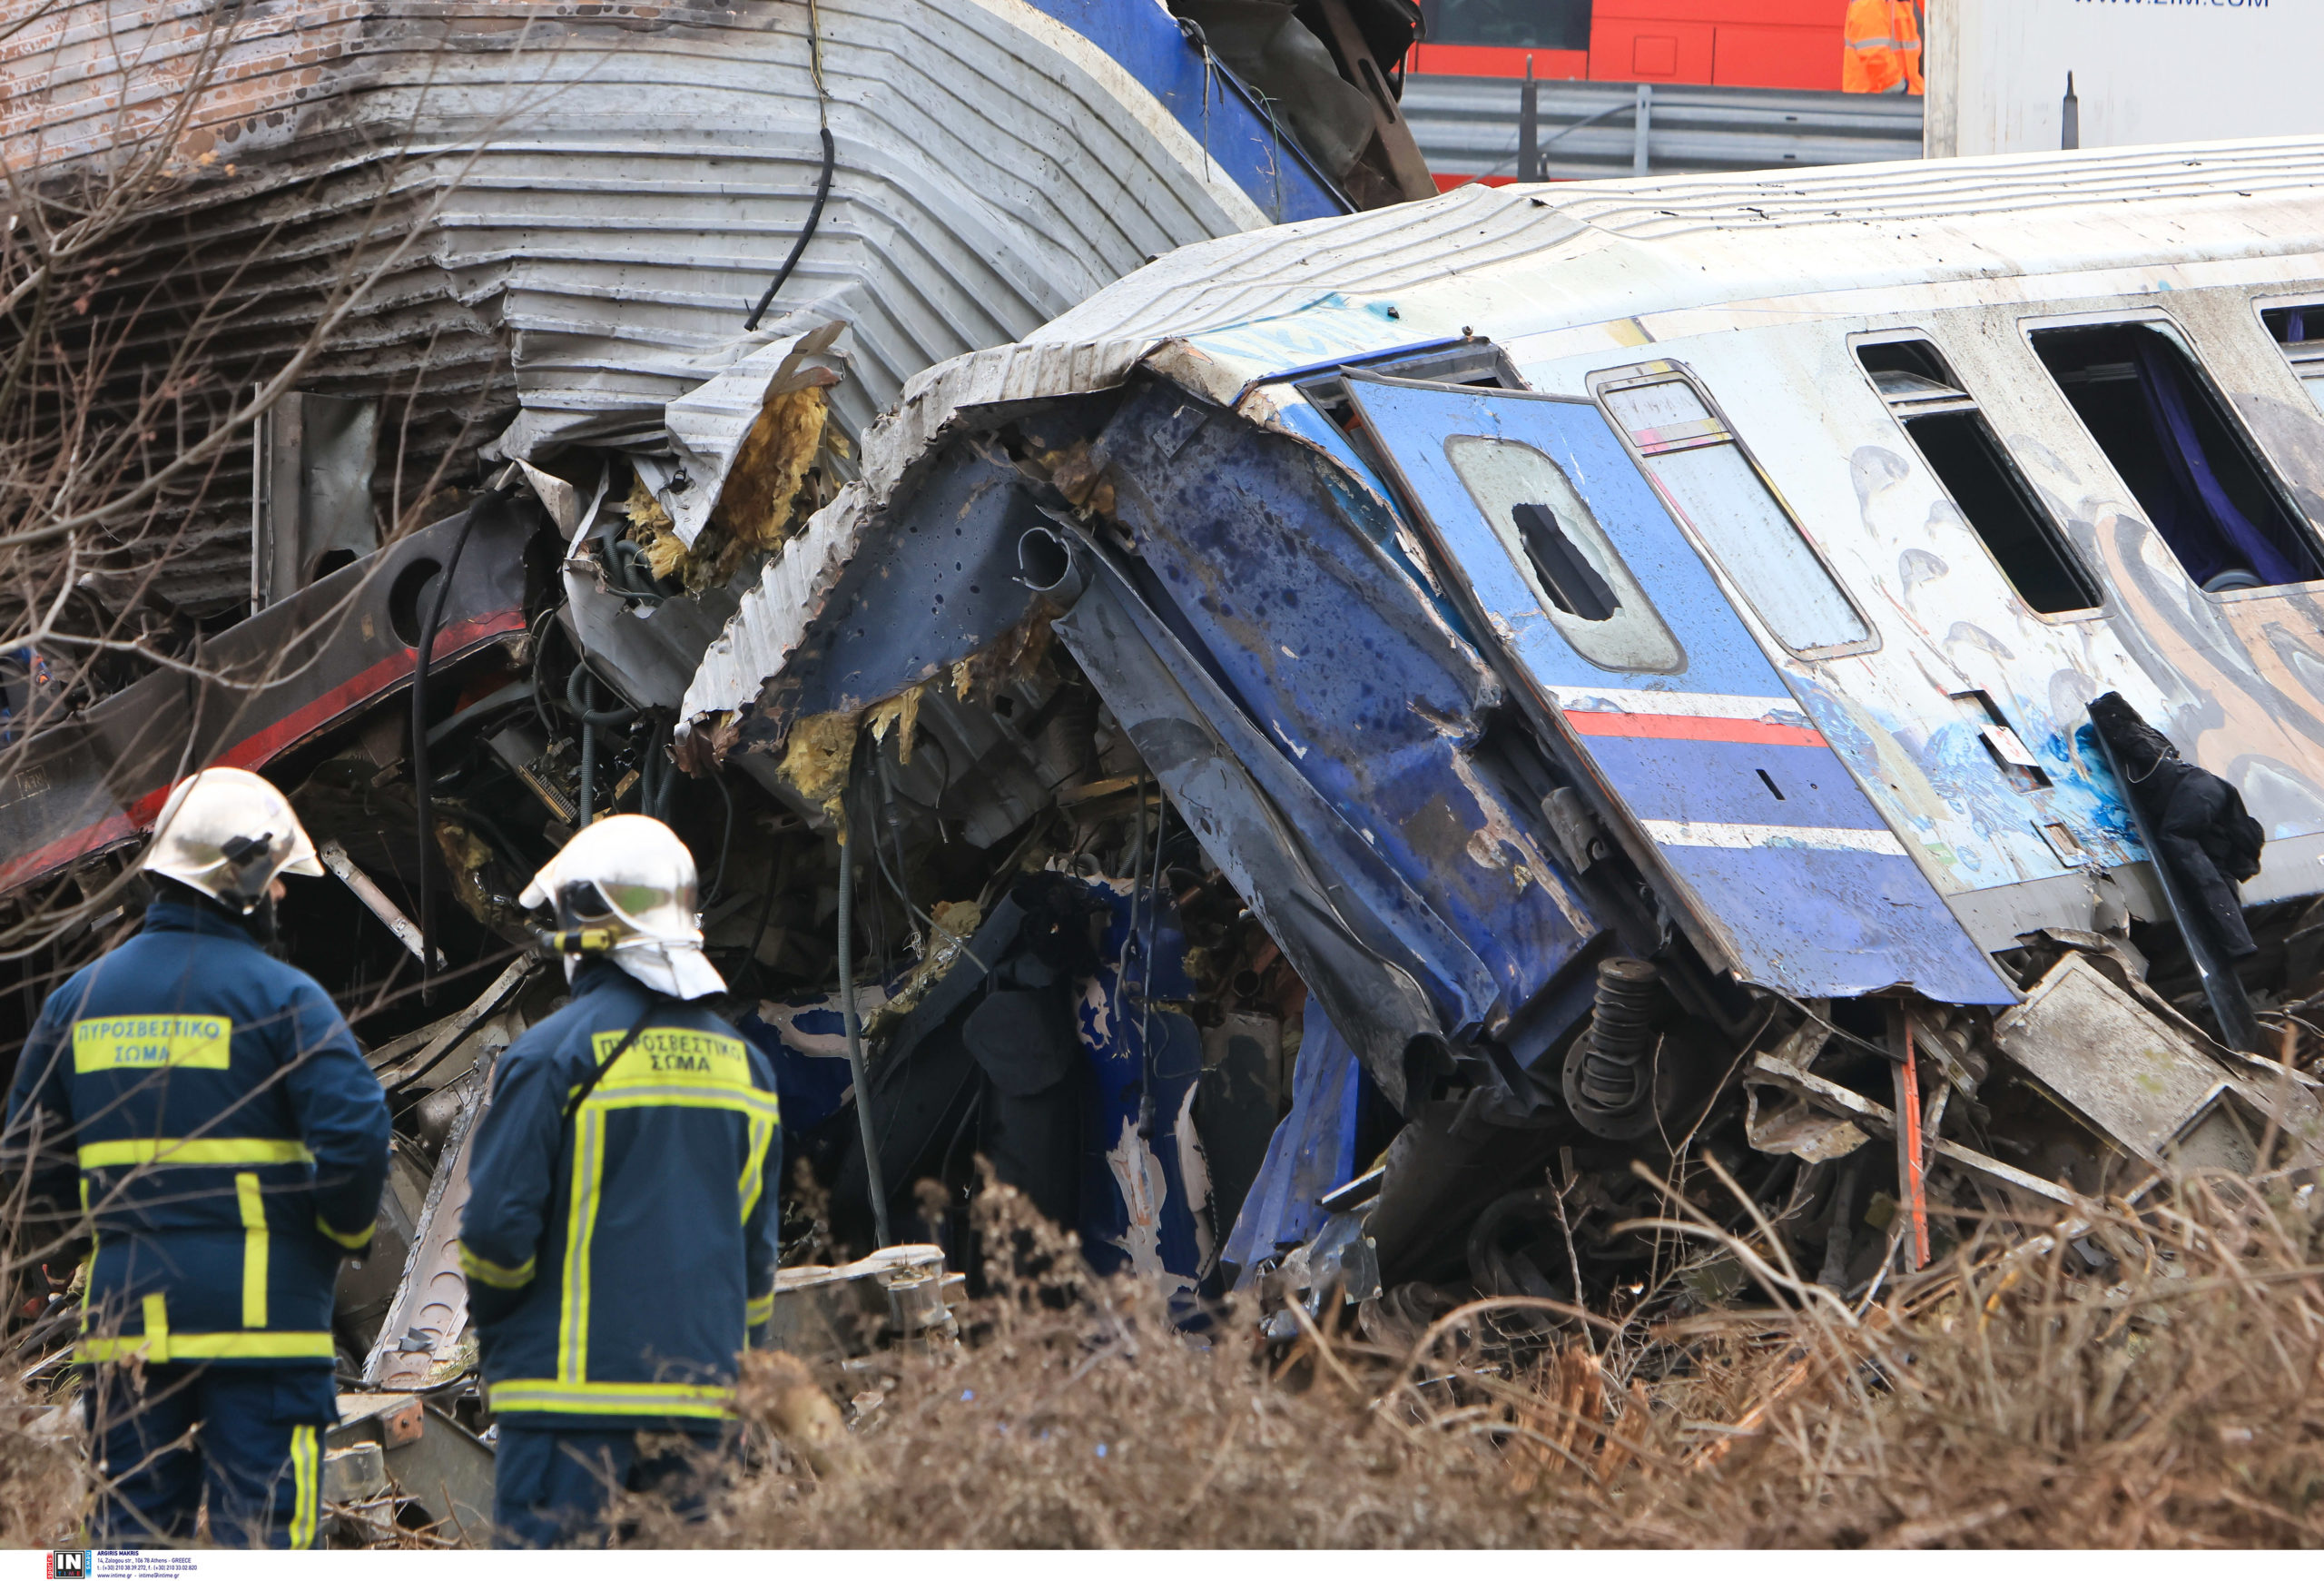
x=598 y=195
x=1468 y=126
x=1482 y=254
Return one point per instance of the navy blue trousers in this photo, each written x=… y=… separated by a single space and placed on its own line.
x=551 y=1486
x=252 y=1437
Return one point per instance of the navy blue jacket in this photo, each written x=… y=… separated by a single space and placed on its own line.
x=229 y=1140
x=617 y=1261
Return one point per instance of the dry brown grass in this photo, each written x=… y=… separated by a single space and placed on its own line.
x=2005 y=1399
x=43 y=1488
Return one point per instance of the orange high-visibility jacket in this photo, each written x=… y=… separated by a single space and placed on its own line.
x=1883 y=48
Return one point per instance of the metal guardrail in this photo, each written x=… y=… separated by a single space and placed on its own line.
x=1469 y=125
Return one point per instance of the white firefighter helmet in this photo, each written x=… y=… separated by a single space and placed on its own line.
x=625 y=887
x=227 y=833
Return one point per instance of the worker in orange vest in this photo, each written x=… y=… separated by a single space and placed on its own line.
x=1882 y=53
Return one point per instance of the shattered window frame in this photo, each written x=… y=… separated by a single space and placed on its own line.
x=1723 y=432
x=1907 y=407
x=2223 y=410
x=1632 y=637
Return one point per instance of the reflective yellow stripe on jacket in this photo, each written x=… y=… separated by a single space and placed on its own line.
x=667 y=1068
x=611 y=1400
x=158 y=1345
x=254 y=1251
x=202 y=1150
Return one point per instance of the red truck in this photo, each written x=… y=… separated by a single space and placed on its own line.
x=1744 y=44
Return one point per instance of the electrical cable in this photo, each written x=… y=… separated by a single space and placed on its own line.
x=890 y=821
x=725 y=840
x=537 y=635
x=919 y=915
x=586 y=794
x=1148 y=951
x=823 y=181
x=575 y=693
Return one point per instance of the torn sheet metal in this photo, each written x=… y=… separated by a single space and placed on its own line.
x=1722 y=784
x=279 y=678
x=2133 y=1078
x=1373 y=955
x=794 y=589
x=693 y=440
x=944 y=585
x=1790 y=1126
x=1312 y=1153
x=1364 y=692
x=647 y=173
x=420 y=1340
x=1141 y=1209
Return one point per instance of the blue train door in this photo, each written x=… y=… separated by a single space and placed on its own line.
x=1630 y=647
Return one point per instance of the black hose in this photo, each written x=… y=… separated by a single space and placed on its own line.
x=656 y=775
x=423 y=790
x=814 y=217
x=775 y=872
x=576 y=694
x=725 y=840
x=871 y=1181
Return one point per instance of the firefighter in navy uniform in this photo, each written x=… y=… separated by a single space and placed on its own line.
x=229 y=1144
x=620 y=1233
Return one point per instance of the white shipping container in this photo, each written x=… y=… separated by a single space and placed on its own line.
x=2145 y=71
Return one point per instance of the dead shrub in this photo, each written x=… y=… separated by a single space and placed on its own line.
x=2010 y=1397
x=43 y=1489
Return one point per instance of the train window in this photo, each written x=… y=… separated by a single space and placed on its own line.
x=1987 y=490
x=1510 y=24
x=2168 y=433
x=2299 y=331
x=1712 y=487
x=1552 y=538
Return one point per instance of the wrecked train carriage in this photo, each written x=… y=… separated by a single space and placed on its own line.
x=1613 y=657
x=512 y=172
x=563 y=218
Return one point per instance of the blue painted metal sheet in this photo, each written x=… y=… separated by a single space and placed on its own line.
x=1368 y=947
x=1260 y=158
x=1137 y=1208
x=1334 y=652
x=938 y=585
x=1689 y=727
x=1362 y=497
x=1312 y=1152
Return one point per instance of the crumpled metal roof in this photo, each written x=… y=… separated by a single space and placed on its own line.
x=601 y=191
x=1511 y=260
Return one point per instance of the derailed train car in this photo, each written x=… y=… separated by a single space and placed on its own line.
x=1338 y=750
x=1627 y=653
